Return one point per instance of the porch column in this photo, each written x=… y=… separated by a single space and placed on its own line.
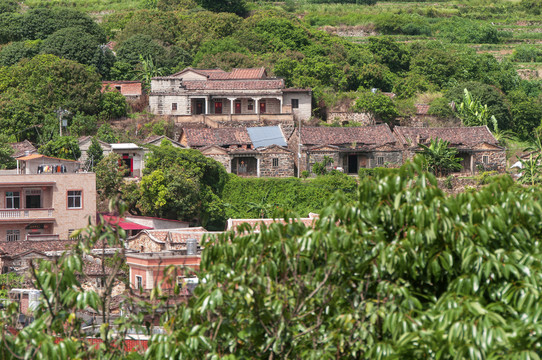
x=472 y=164
x=207 y=100
x=231 y=104
x=257 y=104
x=280 y=108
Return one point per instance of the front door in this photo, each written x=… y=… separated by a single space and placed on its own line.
x=352 y=164
x=218 y=107
x=262 y=107
x=199 y=106
x=465 y=162
x=238 y=106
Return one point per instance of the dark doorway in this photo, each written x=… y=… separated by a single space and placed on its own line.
x=33 y=201
x=244 y=166
x=238 y=106
x=352 y=164
x=218 y=107
x=465 y=162
x=199 y=106
x=262 y=107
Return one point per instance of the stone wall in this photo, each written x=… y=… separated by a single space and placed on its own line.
x=284 y=168
x=496 y=161
x=163 y=104
x=318 y=156
x=224 y=159
x=143 y=241
x=351 y=117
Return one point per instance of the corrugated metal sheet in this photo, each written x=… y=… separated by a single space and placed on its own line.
x=266 y=136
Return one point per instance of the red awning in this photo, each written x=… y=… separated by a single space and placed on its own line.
x=125 y=224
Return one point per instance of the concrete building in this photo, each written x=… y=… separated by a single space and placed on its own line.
x=46 y=200
x=238 y=95
x=130 y=89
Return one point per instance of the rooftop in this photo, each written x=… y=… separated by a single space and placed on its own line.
x=456 y=136
x=375 y=135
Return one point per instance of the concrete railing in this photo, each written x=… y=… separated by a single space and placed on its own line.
x=232 y=117
x=26 y=213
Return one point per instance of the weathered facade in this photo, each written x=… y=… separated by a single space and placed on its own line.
x=258 y=151
x=477 y=147
x=241 y=94
x=350 y=148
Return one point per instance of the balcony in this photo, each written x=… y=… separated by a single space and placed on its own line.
x=203 y=118
x=25 y=214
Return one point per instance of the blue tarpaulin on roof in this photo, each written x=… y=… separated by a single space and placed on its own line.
x=266 y=135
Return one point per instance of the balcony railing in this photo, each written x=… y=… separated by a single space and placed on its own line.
x=42 y=237
x=233 y=117
x=26 y=213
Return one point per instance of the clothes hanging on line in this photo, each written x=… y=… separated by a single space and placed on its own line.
x=50 y=169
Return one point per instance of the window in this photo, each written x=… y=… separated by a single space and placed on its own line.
x=173 y=106
x=13 y=200
x=485 y=159
x=33 y=198
x=295 y=103
x=13 y=235
x=70 y=233
x=118 y=87
x=275 y=162
x=139 y=282
x=74 y=199
x=380 y=160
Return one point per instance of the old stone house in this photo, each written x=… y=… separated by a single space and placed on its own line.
x=241 y=94
x=350 y=148
x=255 y=151
x=478 y=148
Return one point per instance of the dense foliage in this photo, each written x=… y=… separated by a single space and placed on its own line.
x=404 y=271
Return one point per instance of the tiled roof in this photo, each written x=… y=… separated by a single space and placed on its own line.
x=158 y=139
x=422 y=109
x=94 y=268
x=20 y=148
x=180 y=237
x=124 y=224
x=457 y=136
x=376 y=135
x=258 y=73
x=40 y=156
x=267 y=84
x=13 y=248
x=221 y=137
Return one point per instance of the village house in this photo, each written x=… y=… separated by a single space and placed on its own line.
x=132 y=90
x=132 y=155
x=135 y=224
x=241 y=94
x=350 y=148
x=478 y=148
x=255 y=151
x=47 y=199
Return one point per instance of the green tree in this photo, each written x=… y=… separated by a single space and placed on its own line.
x=147 y=70
x=32 y=90
x=95 y=154
x=320 y=168
x=141 y=46
x=107 y=134
x=238 y=7
x=183 y=184
x=64 y=147
x=380 y=106
x=11 y=54
x=72 y=43
x=6 y=152
x=113 y=105
x=109 y=177
x=440 y=158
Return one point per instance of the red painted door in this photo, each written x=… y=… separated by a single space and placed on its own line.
x=218 y=107
x=237 y=107
x=262 y=107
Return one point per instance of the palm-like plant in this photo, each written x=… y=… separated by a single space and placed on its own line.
x=440 y=157
x=531 y=170
x=473 y=113
x=147 y=71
